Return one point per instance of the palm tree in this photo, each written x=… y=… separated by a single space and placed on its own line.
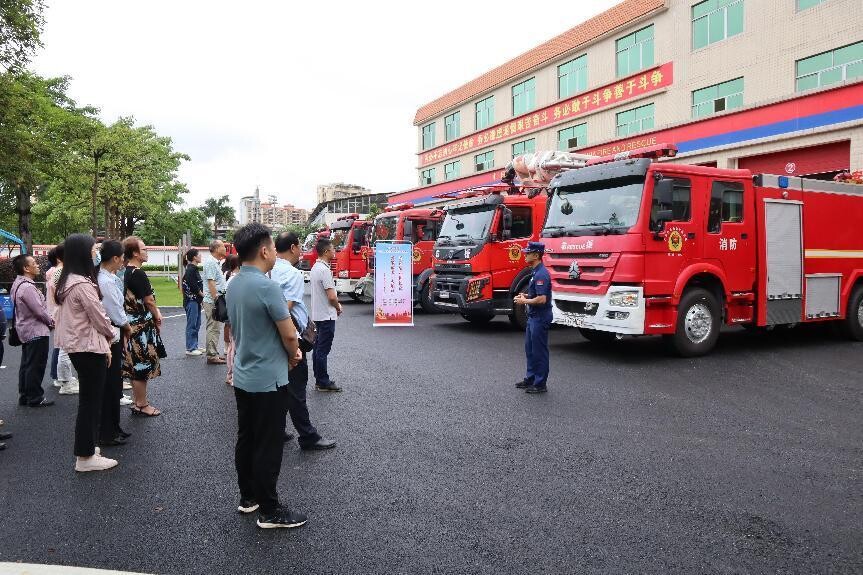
x=220 y=211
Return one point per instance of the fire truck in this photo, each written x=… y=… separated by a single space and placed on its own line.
x=421 y=227
x=635 y=246
x=478 y=264
x=350 y=237
x=309 y=255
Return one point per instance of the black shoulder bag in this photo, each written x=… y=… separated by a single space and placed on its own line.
x=14 y=340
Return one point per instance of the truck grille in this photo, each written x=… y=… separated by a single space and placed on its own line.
x=579 y=307
x=446 y=284
x=595 y=272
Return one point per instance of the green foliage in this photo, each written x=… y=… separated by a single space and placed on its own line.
x=220 y=210
x=172 y=225
x=374 y=210
x=21 y=23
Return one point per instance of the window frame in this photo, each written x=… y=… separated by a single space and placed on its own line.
x=427 y=177
x=453 y=119
x=575 y=134
x=428 y=130
x=487 y=111
x=524 y=143
x=818 y=73
x=574 y=72
x=652 y=226
x=528 y=220
x=457 y=164
x=528 y=92
x=718 y=190
x=724 y=98
x=817 y=3
x=725 y=21
x=484 y=155
x=636 y=44
x=640 y=121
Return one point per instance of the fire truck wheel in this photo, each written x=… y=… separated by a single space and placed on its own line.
x=478 y=318
x=852 y=326
x=697 y=323
x=518 y=317
x=426 y=300
x=598 y=337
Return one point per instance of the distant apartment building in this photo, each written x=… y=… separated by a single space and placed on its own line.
x=330 y=192
x=270 y=213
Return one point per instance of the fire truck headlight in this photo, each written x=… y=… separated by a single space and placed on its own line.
x=623 y=299
x=343 y=274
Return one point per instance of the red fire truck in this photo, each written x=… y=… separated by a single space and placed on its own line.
x=350 y=237
x=478 y=265
x=309 y=255
x=421 y=227
x=640 y=247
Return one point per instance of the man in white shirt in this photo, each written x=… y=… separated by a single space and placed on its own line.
x=293 y=286
x=214 y=286
x=325 y=309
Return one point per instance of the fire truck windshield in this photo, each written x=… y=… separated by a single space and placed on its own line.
x=468 y=224
x=338 y=238
x=385 y=228
x=595 y=208
x=309 y=244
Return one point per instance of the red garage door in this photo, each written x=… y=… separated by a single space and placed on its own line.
x=825 y=159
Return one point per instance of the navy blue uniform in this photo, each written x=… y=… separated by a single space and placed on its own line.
x=538 y=321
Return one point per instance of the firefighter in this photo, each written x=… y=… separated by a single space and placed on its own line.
x=539 y=315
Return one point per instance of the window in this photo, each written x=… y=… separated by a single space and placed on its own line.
x=572 y=77
x=726 y=205
x=428 y=136
x=830 y=67
x=635 y=52
x=452 y=170
x=485 y=113
x=427 y=177
x=716 y=20
x=525 y=147
x=634 y=121
x=452 y=126
x=524 y=97
x=804 y=4
x=573 y=137
x=425 y=230
x=717 y=98
x=484 y=161
x=522 y=223
x=674 y=202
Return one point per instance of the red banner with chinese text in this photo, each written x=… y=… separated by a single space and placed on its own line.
x=588 y=102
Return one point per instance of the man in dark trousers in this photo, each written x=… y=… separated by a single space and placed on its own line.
x=539 y=315
x=266 y=348
x=33 y=325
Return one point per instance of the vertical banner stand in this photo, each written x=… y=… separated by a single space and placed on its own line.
x=394 y=294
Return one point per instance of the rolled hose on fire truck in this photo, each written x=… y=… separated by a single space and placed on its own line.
x=537 y=169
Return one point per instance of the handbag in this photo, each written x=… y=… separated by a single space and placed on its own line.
x=160 y=347
x=14 y=340
x=220 y=309
x=306 y=336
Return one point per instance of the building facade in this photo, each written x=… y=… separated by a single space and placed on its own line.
x=769 y=85
x=330 y=192
x=327 y=212
x=270 y=213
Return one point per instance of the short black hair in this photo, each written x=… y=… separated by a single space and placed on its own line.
x=249 y=239
x=191 y=254
x=19 y=262
x=285 y=241
x=111 y=249
x=323 y=245
x=55 y=254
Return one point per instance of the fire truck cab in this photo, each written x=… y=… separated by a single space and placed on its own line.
x=478 y=264
x=309 y=255
x=420 y=226
x=350 y=237
x=638 y=247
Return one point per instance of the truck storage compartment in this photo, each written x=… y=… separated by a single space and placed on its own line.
x=822 y=295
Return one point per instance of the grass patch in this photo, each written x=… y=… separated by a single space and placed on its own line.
x=167 y=293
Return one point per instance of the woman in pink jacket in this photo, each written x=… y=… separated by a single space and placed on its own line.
x=84 y=331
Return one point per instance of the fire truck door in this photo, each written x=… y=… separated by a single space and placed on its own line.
x=783 y=229
x=730 y=233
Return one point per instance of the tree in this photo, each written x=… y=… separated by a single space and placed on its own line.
x=374 y=210
x=171 y=226
x=220 y=211
x=21 y=23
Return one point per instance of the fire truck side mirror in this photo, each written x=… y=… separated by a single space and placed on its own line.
x=506 y=224
x=663 y=200
x=408 y=230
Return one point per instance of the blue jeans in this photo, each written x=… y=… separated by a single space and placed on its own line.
x=193 y=324
x=323 y=345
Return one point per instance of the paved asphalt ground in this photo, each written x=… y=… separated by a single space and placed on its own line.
x=747 y=461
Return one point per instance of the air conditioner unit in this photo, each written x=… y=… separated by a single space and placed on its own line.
x=572 y=143
x=426 y=181
x=480 y=167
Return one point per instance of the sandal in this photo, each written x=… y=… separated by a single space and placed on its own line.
x=139 y=411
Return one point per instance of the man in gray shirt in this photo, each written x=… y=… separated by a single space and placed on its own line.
x=325 y=309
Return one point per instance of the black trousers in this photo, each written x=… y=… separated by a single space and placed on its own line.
x=34 y=359
x=260 y=444
x=297 y=408
x=92 y=369
x=109 y=425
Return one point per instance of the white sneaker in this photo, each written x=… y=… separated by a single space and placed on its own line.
x=57 y=383
x=69 y=388
x=95 y=463
x=201 y=349
x=126 y=400
x=127 y=384
x=195 y=352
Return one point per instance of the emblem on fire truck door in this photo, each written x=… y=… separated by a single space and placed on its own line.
x=418 y=255
x=574 y=271
x=514 y=252
x=675 y=240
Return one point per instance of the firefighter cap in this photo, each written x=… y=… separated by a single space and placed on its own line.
x=534 y=248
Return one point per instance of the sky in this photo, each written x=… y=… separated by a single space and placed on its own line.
x=286 y=95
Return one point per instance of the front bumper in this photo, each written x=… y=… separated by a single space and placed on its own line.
x=344 y=285
x=596 y=312
x=450 y=294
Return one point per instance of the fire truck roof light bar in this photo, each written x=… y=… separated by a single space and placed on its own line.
x=399 y=207
x=349 y=217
